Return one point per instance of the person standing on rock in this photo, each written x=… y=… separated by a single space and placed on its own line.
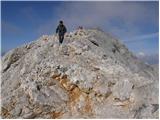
x=61 y=30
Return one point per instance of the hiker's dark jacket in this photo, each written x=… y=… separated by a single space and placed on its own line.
x=61 y=29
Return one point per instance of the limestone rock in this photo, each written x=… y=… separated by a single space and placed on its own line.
x=91 y=75
x=122 y=89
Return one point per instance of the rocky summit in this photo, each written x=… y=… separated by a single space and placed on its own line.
x=91 y=75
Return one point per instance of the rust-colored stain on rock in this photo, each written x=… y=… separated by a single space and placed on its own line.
x=88 y=105
x=5 y=113
x=74 y=93
x=55 y=114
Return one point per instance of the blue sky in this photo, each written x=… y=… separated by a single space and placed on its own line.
x=134 y=23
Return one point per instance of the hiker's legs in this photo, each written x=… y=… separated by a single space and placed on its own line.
x=61 y=37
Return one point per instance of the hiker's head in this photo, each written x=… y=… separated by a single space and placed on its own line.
x=61 y=22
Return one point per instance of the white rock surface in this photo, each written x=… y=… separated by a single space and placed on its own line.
x=91 y=75
x=122 y=89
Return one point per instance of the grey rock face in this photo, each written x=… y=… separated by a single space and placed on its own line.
x=91 y=75
x=122 y=89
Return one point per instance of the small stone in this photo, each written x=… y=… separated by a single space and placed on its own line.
x=122 y=89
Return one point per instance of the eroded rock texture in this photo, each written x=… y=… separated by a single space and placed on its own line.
x=92 y=75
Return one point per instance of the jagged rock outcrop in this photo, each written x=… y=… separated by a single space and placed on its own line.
x=92 y=75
